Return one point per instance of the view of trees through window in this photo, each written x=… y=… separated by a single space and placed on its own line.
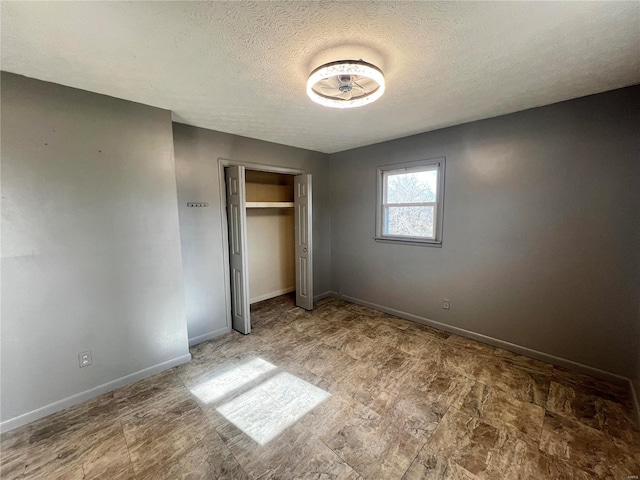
x=417 y=190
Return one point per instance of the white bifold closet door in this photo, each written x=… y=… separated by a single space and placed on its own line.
x=304 y=257
x=237 y=224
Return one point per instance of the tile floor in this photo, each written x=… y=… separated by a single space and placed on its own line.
x=341 y=392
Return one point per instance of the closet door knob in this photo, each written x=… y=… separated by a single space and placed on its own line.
x=304 y=249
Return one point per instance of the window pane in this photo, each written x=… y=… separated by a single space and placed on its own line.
x=410 y=221
x=412 y=187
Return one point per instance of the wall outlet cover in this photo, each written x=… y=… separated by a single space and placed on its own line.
x=84 y=359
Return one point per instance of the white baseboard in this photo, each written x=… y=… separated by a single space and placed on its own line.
x=267 y=296
x=91 y=393
x=324 y=295
x=528 y=352
x=208 y=336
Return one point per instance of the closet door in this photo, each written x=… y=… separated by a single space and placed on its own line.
x=237 y=224
x=304 y=258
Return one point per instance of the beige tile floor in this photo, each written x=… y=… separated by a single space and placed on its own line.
x=340 y=392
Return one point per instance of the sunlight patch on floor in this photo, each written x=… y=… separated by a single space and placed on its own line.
x=228 y=381
x=268 y=409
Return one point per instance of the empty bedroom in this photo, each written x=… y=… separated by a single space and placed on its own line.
x=320 y=240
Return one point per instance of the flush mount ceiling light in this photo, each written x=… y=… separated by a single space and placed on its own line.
x=345 y=84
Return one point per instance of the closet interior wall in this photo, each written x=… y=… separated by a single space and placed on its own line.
x=270 y=234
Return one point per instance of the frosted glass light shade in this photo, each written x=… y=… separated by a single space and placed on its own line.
x=357 y=71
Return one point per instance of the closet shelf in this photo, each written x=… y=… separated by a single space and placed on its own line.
x=269 y=204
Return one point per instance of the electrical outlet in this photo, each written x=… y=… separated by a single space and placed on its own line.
x=84 y=359
x=446 y=304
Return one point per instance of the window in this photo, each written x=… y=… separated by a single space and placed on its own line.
x=410 y=201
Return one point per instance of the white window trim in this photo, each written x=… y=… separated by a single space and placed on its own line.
x=381 y=197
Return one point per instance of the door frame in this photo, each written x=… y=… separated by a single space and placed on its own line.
x=222 y=163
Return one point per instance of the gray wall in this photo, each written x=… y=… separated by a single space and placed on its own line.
x=90 y=244
x=541 y=230
x=197 y=152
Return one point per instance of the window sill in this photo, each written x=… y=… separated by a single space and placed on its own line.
x=408 y=241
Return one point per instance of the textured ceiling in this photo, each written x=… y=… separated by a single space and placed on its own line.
x=241 y=67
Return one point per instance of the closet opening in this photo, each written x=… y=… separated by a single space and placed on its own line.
x=270 y=235
x=268 y=230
